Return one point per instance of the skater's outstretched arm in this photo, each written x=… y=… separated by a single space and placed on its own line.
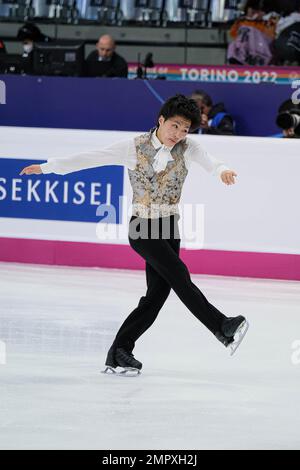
x=122 y=153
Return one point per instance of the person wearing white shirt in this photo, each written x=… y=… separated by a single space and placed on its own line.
x=158 y=163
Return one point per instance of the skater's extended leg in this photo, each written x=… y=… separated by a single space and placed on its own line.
x=162 y=258
x=143 y=316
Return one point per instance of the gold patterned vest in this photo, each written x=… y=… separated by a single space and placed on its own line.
x=156 y=194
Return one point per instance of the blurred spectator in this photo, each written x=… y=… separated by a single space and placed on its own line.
x=2 y=47
x=253 y=34
x=28 y=34
x=290 y=15
x=287 y=44
x=214 y=118
x=104 y=61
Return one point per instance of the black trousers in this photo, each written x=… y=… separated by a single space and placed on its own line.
x=164 y=271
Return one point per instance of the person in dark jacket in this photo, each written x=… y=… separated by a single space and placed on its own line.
x=104 y=61
x=28 y=34
x=214 y=117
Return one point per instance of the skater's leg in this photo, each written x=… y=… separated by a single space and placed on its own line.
x=143 y=316
x=160 y=255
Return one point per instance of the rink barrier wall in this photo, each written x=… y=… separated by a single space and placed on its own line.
x=211 y=262
x=249 y=229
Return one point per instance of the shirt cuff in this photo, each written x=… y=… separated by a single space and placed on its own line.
x=220 y=170
x=46 y=168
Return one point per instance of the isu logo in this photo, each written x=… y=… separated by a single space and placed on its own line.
x=2 y=92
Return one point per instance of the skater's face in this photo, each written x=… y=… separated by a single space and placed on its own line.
x=173 y=130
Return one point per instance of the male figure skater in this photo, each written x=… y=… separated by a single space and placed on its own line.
x=158 y=163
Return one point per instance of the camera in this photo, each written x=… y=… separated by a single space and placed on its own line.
x=289 y=120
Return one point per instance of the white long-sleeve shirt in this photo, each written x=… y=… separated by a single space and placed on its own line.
x=124 y=153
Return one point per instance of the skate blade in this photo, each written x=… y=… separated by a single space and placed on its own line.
x=239 y=335
x=122 y=371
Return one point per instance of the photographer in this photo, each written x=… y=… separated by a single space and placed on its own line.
x=214 y=117
x=288 y=120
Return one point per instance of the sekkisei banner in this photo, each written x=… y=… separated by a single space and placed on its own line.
x=73 y=197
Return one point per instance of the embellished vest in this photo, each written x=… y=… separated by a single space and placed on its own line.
x=156 y=194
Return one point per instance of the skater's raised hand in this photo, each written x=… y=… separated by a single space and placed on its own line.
x=228 y=177
x=31 y=170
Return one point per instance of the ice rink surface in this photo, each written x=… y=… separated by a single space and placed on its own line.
x=57 y=323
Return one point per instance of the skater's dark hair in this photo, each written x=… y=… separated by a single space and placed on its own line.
x=180 y=105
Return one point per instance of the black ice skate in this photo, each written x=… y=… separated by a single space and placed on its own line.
x=234 y=330
x=121 y=362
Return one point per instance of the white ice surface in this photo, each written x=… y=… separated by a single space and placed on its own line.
x=57 y=324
